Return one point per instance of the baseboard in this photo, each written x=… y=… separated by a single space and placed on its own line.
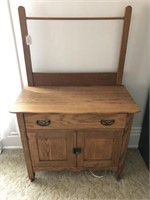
x=14 y=142
x=134 y=137
x=1 y=146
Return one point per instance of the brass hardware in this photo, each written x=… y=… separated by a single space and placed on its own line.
x=107 y=122
x=76 y=150
x=43 y=122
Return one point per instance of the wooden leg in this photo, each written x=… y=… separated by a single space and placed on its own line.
x=25 y=144
x=32 y=178
x=125 y=140
x=119 y=174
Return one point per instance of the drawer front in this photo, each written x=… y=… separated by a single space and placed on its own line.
x=74 y=121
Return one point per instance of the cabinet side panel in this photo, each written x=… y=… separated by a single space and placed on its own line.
x=125 y=141
x=26 y=150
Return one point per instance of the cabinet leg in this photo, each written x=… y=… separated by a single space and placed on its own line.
x=125 y=140
x=32 y=177
x=119 y=175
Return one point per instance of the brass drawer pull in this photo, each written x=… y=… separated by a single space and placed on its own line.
x=43 y=122
x=107 y=122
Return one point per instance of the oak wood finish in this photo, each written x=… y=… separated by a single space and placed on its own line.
x=74 y=115
x=75 y=121
x=51 y=148
x=25 y=144
x=100 y=149
x=124 y=41
x=26 y=48
x=75 y=100
x=125 y=141
x=77 y=79
x=74 y=18
x=74 y=79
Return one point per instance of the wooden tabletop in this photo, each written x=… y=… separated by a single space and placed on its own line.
x=92 y=99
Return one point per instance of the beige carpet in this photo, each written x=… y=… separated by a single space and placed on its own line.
x=15 y=185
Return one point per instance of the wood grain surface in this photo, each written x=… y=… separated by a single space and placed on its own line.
x=92 y=99
x=74 y=79
x=74 y=121
x=100 y=148
x=53 y=149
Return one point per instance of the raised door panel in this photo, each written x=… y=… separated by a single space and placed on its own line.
x=52 y=149
x=99 y=149
x=94 y=148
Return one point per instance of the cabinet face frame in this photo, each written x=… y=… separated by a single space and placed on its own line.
x=76 y=161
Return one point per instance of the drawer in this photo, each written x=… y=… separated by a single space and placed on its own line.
x=74 y=121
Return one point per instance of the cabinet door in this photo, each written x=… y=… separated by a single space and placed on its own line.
x=52 y=149
x=99 y=149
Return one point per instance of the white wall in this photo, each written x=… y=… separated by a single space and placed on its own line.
x=101 y=52
x=9 y=71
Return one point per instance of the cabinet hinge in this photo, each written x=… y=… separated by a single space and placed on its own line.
x=76 y=150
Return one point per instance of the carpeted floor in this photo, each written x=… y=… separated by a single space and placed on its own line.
x=15 y=185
